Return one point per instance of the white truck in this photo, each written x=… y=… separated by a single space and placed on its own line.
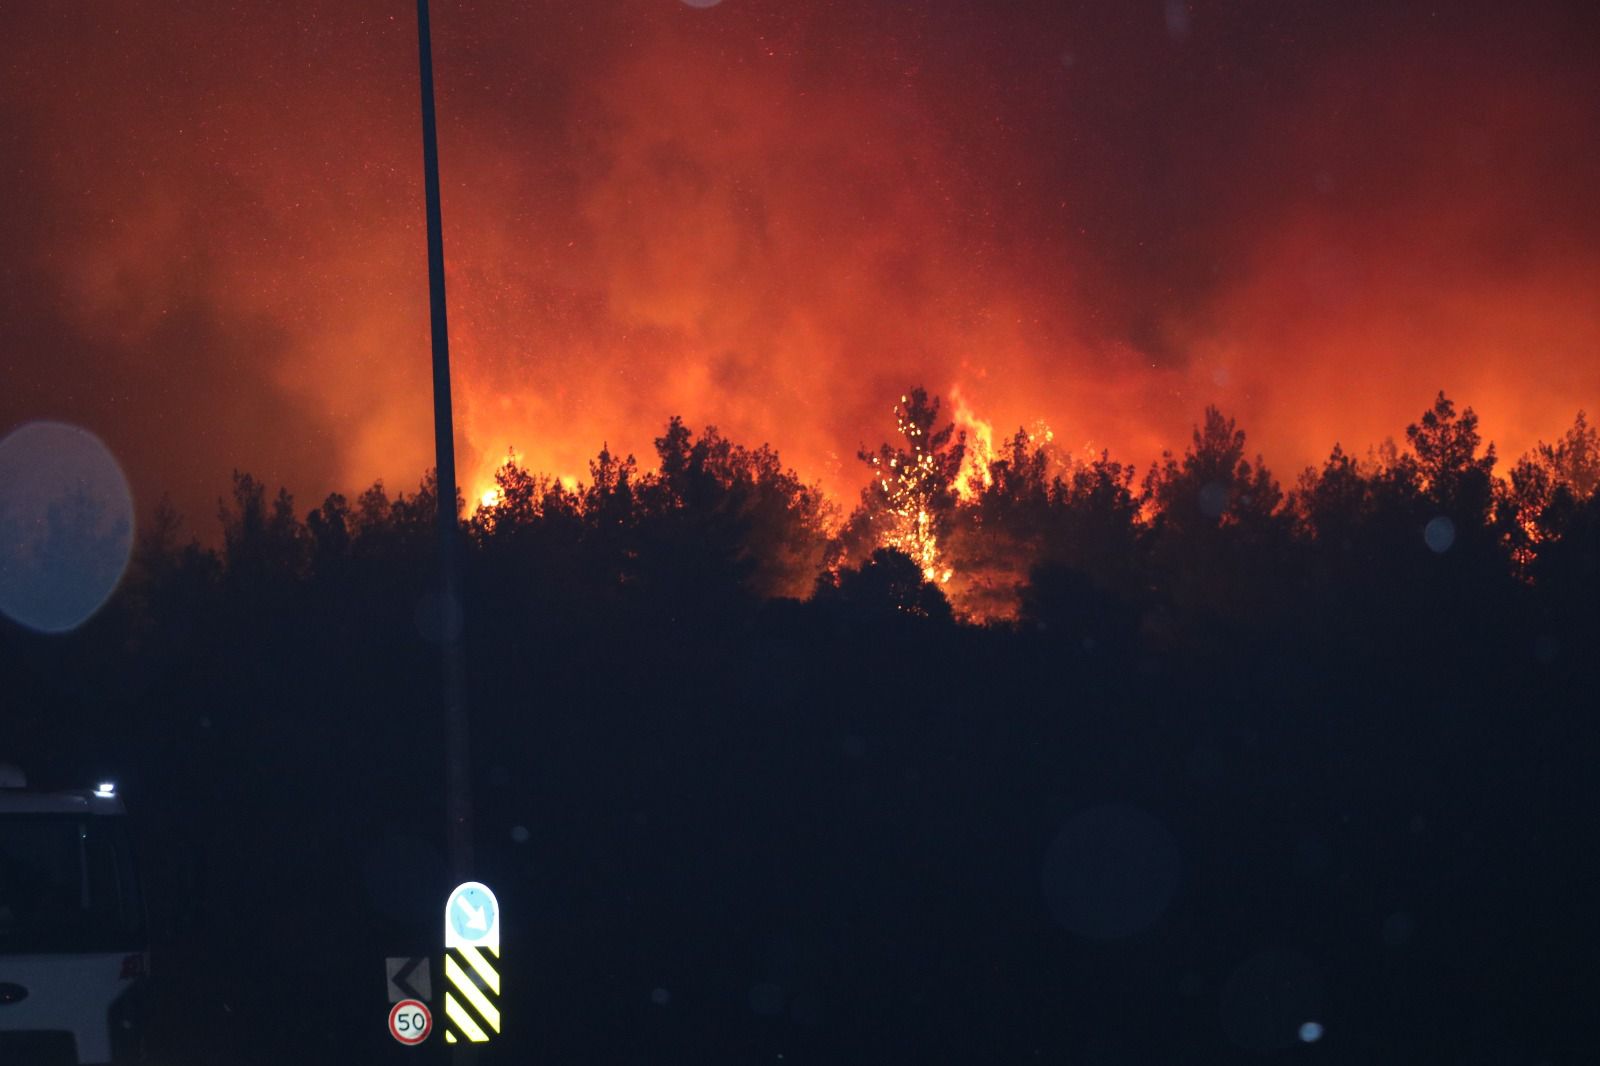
x=74 y=944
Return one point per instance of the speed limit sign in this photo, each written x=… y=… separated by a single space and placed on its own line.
x=410 y=1021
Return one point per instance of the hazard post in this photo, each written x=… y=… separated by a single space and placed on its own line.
x=471 y=965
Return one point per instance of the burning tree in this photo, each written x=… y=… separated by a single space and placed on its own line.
x=909 y=504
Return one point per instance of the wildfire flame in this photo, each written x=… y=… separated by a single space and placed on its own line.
x=974 y=476
x=908 y=488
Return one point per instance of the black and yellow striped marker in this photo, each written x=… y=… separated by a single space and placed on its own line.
x=471 y=965
x=471 y=995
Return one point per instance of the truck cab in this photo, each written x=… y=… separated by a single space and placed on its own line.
x=74 y=942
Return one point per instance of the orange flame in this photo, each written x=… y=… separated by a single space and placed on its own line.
x=974 y=476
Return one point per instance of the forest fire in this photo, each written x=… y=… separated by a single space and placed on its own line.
x=993 y=532
x=768 y=219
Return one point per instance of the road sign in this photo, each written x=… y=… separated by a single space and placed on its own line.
x=471 y=964
x=472 y=917
x=408 y=979
x=410 y=1021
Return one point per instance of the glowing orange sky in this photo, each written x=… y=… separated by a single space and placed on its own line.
x=775 y=216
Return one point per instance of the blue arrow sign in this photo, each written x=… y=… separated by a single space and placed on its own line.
x=472 y=917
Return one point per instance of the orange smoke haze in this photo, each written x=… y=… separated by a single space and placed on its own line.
x=774 y=217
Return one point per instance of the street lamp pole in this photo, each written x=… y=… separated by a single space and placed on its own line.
x=458 y=784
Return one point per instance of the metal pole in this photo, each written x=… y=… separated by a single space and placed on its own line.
x=458 y=784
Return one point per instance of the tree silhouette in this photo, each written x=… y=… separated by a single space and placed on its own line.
x=264 y=545
x=329 y=528
x=1547 y=490
x=1574 y=460
x=1454 y=477
x=887 y=585
x=740 y=506
x=1213 y=484
x=1218 y=537
x=1099 y=533
x=1331 y=503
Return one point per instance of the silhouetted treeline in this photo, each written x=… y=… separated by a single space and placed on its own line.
x=755 y=776
x=714 y=526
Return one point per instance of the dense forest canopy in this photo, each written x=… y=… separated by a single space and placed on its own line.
x=712 y=521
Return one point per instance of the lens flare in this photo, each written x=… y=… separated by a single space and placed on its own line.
x=66 y=526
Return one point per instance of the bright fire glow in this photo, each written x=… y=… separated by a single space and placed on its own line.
x=974 y=476
x=908 y=488
x=767 y=216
